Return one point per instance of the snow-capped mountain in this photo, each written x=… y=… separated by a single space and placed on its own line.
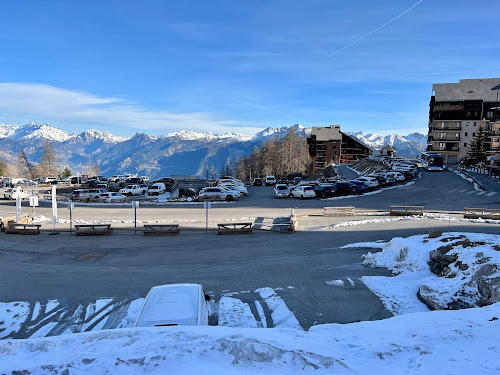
x=179 y=153
x=411 y=145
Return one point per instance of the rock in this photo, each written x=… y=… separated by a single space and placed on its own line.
x=434 y=233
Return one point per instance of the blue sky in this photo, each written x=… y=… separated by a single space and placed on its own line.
x=224 y=66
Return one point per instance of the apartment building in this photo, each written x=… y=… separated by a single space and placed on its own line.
x=328 y=145
x=456 y=113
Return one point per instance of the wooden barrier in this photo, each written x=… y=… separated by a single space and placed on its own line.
x=23 y=219
x=235 y=228
x=161 y=229
x=407 y=211
x=93 y=229
x=14 y=228
x=338 y=211
x=483 y=213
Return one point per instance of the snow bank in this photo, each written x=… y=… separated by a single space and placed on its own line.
x=454 y=271
x=455 y=342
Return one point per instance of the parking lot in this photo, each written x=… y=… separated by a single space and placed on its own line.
x=264 y=279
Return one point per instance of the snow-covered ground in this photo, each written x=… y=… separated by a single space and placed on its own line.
x=415 y=341
x=448 y=342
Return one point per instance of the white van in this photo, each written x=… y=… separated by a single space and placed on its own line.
x=174 y=304
x=157 y=189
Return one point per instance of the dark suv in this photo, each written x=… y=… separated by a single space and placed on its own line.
x=257 y=182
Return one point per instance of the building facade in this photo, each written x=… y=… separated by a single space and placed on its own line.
x=328 y=145
x=456 y=113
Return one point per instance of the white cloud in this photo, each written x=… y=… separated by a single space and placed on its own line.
x=67 y=107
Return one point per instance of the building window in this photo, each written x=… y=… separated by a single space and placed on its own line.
x=466 y=134
x=475 y=123
x=473 y=134
x=465 y=144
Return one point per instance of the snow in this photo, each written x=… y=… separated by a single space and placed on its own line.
x=474 y=183
x=335 y=283
x=415 y=340
x=453 y=342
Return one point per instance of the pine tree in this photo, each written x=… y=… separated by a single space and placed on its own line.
x=477 y=149
x=66 y=172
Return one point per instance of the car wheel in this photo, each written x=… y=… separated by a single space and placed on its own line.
x=88 y=200
x=301 y=196
x=323 y=195
x=229 y=198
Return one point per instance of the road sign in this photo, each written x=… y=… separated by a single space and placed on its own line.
x=33 y=201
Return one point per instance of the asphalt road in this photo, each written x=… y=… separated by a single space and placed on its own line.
x=297 y=266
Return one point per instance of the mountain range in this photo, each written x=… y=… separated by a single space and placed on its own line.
x=178 y=153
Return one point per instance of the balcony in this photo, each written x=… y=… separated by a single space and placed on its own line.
x=447 y=129
x=446 y=139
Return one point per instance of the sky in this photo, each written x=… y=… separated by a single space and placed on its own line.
x=223 y=66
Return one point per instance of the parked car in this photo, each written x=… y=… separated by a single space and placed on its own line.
x=360 y=186
x=389 y=178
x=370 y=182
x=380 y=179
x=281 y=191
x=12 y=193
x=283 y=180
x=270 y=180
x=26 y=183
x=93 y=184
x=345 y=188
x=324 y=190
x=216 y=193
x=240 y=188
x=145 y=178
x=175 y=304
x=91 y=194
x=157 y=189
x=133 y=190
x=233 y=190
x=257 y=182
x=399 y=177
x=303 y=191
x=75 y=194
x=111 y=197
x=297 y=180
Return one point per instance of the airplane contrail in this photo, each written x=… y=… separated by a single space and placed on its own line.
x=262 y=107
x=378 y=28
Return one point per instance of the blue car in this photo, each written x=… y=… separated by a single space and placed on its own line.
x=360 y=187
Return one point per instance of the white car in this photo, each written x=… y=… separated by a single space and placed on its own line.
x=157 y=189
x=173 y=305
x=397 y=176
x=216 y=193
x=12 y=194
x=281 y=191
x=133 y=190
x=240 y=188
x=304 y=192
x=270 y=180
x=144 y=178
x=111 y=197
x=231 y=189
x=371 y=182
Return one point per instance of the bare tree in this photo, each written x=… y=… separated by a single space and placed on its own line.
x=48 y=162
x=26 y=169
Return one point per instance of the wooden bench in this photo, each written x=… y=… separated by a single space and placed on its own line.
x=161 y=229
x=338 y=211
x=406 y=211
x=483 y=213
x=14 y=228
x=93 y=229
x=235 y=228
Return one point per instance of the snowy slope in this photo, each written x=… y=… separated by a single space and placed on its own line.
x=406 y=146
